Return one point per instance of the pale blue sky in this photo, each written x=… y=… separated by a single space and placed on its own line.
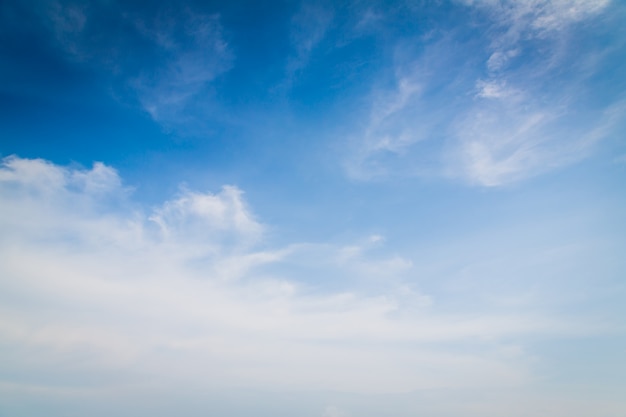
x=325 y=209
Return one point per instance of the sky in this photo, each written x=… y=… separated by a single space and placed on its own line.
x=313 y=208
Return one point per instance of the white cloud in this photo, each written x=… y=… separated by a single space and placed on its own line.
x=537 y=17
x=526 y=114
x=541 y=16
x=98 y=289
x=391 y=127
x=406 y=121
x=499 y=59
x=518 y=136
x=495 y=90
x=207 y=215
x=40 y=176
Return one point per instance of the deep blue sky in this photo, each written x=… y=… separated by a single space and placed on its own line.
x=323 y=201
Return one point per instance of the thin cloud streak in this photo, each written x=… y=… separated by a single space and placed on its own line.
x=504 y=126
x=196 y=53
x=169 y=59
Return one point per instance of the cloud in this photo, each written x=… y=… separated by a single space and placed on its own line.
x=512 y=139
x=516 y=137
x=68 y=22
x=207 y=214
x=537 y=18
x=195 y=53
x=495 y=90
x=406 y=121
x=187 y=291
x=308 y=28
x=40 y=201
x=391 y=129
x=332 y=411
x=508 y=104
x=167 y=57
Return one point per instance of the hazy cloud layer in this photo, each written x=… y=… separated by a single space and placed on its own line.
x=187 y=291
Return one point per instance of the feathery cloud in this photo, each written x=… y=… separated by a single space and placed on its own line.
x=505 y=120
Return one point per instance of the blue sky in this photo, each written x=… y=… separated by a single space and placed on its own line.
x=324 y=209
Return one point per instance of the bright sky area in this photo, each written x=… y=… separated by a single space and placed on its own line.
x=313 y=209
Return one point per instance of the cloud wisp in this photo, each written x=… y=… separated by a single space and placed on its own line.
x=167 y=57
x=505 y=117
x=195 y=53
x=309 y=26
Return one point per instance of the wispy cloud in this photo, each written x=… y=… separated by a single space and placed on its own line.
x=536 y=18
x=68 y=22
x=514 y=130
x=505 y=142
x=388 y=132
x=405 y=118
x=308 y=28
x=168 y=57
x=195 y=53
x=505 y=118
